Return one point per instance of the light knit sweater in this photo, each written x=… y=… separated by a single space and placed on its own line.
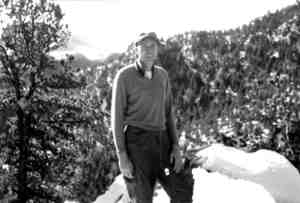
x=141 y=102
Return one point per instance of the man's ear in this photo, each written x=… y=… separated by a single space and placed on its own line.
x=160 y=48
x=136 y=50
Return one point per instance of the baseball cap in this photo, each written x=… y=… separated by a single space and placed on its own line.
x=150 y=35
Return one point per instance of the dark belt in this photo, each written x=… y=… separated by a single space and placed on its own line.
x=132 y=128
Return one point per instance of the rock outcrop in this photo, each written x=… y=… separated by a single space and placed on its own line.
x=264 y=167
x=230 y=175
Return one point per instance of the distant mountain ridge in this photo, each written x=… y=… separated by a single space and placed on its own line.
x=266 y=23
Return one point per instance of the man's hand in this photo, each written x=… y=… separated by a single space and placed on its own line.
x=176 y=158
x=125 y=165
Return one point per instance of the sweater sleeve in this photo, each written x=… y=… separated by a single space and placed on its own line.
x=118 y=106
x=170 y=118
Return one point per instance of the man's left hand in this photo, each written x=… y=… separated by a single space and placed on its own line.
x=176 y=159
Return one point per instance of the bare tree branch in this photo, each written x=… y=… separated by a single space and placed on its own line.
x=4 y=63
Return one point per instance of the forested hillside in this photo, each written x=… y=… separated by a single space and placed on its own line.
x=240 y=87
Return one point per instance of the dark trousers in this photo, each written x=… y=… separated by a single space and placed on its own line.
x=149 y=152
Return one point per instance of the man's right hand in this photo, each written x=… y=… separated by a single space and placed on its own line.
x=125 y=165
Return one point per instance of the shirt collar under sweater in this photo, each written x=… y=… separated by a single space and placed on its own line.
x=141 y=70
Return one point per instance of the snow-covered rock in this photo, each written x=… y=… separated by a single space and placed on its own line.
x=264 y=167
x=208 y=188
x=215 y=188
x=263 y=176
x=116 y=193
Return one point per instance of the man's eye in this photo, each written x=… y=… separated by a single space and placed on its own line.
x=150 y=47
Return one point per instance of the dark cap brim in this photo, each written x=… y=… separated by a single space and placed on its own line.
x=150 y=35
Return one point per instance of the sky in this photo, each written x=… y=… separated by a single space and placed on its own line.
x=102 y=27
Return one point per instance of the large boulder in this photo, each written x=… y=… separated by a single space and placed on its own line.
x=229 y=175
x=117 y=193
x=264 y=167
x=209 y=188
x=213 y=187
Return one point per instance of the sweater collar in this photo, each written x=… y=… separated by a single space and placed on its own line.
x=141 y=70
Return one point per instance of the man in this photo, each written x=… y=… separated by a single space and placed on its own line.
x=144 y=131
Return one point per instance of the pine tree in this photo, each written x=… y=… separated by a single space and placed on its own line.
x=43 y=116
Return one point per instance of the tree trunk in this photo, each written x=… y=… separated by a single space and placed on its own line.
x=22 y=171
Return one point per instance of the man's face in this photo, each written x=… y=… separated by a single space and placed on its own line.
x=147 y=50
